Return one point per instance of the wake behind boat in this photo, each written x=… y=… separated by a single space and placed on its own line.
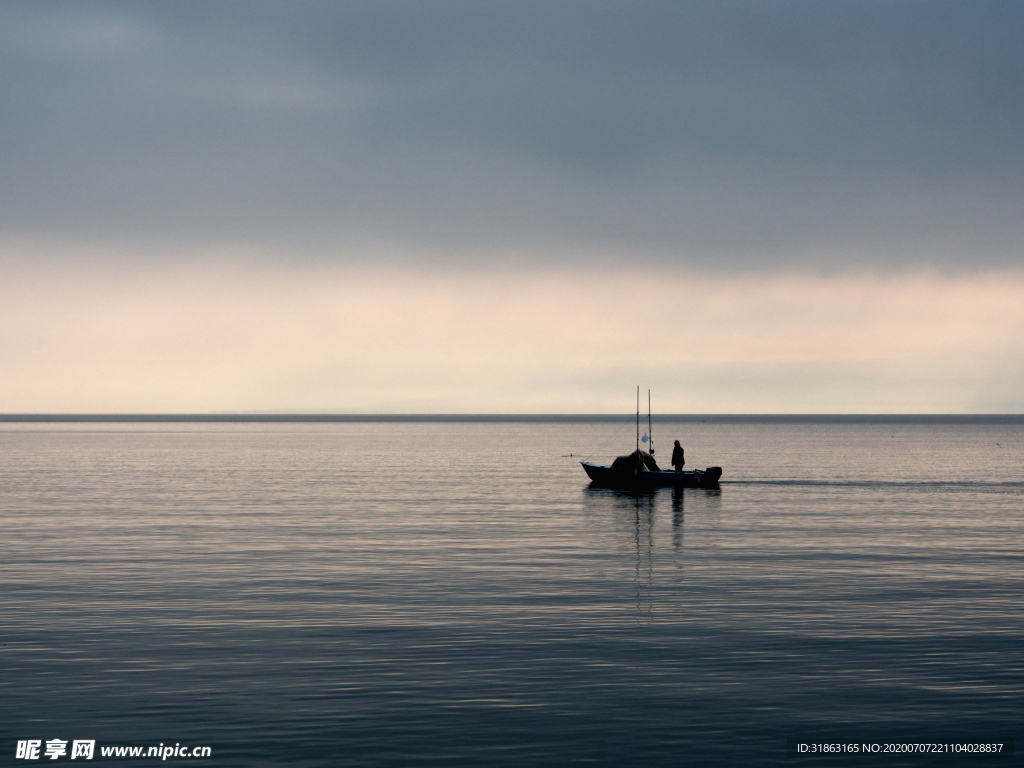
x=640 y=470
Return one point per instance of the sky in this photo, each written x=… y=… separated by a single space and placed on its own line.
x=511 y=207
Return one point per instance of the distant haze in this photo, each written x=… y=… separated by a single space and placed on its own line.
x=512 y=207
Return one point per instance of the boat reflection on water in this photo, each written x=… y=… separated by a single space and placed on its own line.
x=646 y=516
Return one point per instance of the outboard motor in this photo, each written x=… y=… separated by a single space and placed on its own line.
x=710 y=476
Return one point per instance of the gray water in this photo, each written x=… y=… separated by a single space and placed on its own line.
x=399 y=594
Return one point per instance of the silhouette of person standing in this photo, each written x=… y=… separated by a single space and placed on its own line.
x=678 y=459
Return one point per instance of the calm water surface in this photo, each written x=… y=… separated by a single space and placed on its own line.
x=361 y=594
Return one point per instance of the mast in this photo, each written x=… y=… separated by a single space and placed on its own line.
x=650 y=432
x=638 y=417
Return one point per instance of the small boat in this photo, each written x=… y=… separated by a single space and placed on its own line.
x=607 y=477
x=639 y=469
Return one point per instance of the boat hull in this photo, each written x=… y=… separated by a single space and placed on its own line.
x=606 y=477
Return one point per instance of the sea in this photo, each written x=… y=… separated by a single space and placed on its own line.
x=431 y=591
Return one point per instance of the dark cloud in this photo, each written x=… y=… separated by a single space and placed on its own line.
x=748 y=133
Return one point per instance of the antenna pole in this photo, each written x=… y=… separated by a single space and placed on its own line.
x=650 y=432
x=638 y=417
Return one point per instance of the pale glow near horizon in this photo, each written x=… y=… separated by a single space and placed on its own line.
x=97 y=335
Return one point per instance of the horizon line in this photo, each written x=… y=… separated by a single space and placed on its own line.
x=313 y=417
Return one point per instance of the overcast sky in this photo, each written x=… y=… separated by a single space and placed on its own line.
x=516 y=150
